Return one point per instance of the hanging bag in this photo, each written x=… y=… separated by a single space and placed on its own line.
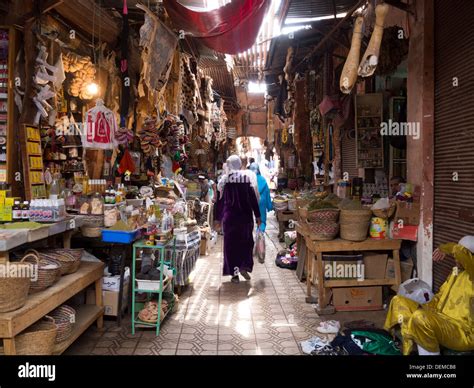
x=260 y=246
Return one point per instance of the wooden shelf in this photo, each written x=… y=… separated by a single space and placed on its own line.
x=356 y=283
x=40 y=304
x=86 y=315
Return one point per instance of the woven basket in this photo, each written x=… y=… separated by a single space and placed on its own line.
x=64 y=318
x=38 y=339
x=385 y=213
x=355 y=231
x=94 y=221
x=323 y=215
x=302 y=213
x=14 y=290
x=323 y=231
x=49 y=271
x=280 y=205
x=355 y=216
x=88 y=231
x=69 y=259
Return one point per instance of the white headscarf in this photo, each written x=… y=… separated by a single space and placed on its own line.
x=233 y=167
x=467 y=242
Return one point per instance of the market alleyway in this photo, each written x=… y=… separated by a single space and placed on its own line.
x=265 y=316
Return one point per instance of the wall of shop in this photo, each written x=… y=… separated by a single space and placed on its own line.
x=420 y=154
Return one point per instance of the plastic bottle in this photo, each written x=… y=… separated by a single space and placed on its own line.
x=55 y=188
x=33 y=209
x=16 y=216
x=62 y=208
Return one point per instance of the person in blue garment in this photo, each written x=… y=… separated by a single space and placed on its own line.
x=265 y=203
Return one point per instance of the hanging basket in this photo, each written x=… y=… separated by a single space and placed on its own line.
x=49 y=271
x=14 y=290
x=64 y=318
x=38 y=339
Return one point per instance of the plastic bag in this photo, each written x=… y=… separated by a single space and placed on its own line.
x=260 y=246
x=416 y=290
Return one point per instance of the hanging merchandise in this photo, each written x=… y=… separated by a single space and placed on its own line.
x=349 y=72
x=159 y=44
x=189 y=91
x=125 y=95
x=101 y=127
x=127 y=163
x=369 y=61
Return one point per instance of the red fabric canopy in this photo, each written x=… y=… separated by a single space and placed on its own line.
x=231 y=29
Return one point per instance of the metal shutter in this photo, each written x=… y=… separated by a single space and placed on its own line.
x=454 y=126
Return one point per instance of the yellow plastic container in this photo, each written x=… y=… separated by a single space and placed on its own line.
x=378 y=228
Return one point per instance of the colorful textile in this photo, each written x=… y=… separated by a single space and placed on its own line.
x=230 y=29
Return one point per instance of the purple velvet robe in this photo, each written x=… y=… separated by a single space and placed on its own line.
x=235 y=210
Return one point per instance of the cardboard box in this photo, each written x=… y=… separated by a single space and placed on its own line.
x=110 y=299
x=112 y=283
x=409 y=212
x=375 y=265
x=407 y=232
x=357 y=298
x=406 y=269
x=340 y=267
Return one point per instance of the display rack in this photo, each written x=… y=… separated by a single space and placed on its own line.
x=369 y=117
x=163 y=286
x=32 y=159
x=7 y=106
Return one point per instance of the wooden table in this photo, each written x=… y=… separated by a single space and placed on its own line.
x=313 y=254
x=40 y=304
x=284 y=216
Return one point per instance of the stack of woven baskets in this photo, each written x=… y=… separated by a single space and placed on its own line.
x=355 y=224
x=41 y=337
x=52 y=264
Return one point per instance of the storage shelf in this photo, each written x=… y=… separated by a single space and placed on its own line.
x=355 y=283
x=86 y=315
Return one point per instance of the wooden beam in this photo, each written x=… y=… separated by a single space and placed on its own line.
x=333 y=30
x=80 y=13
x=47 y=6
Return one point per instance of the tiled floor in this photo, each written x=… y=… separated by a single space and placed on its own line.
x=265 y=316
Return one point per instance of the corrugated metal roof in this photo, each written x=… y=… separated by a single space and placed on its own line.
x=223 y=79
x=317 y=8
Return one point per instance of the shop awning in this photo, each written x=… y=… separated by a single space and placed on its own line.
x=230 y=29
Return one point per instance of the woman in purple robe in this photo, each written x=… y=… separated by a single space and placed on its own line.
x=235 y=208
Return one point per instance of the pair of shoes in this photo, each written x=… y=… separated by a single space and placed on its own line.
x=245 y=274
x=327 y=350
x=329 y=327
x=235 y=279
x=313 y=344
